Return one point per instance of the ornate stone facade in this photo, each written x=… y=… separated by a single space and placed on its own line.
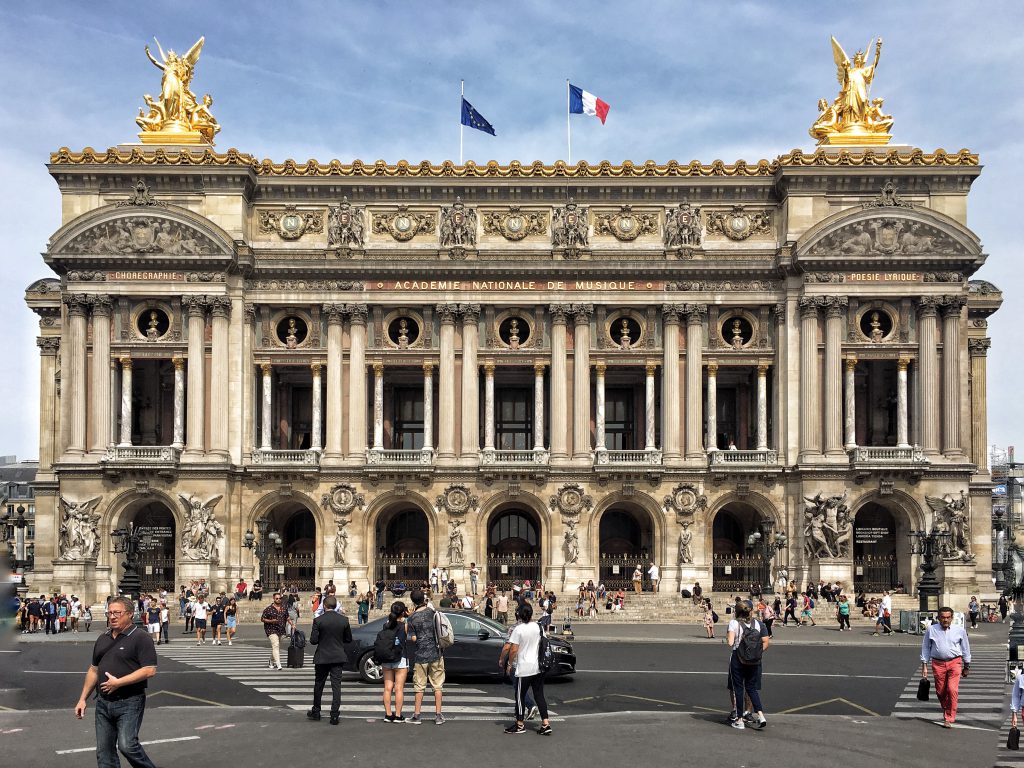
x=386 y=377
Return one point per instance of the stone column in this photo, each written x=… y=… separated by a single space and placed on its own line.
x=581 y=381
x=599 y=370
x=470 y=382
x=951 y=439
x=670 y=393
x=428 y=406
x=851 y=404
x=73 y=383
x=49 y=348
x=712 y=406
x=538 y=406
x=557 y=381
x=195 y=434
x=247 y=393
x=649 y=442
x=695 y=316
x=267 y=401
x=99 y=398
x=489 y=406
x=762 y=406
x=810 y=408
x=378 y=406
x=834 y=315
x=335 y=319
x=220 y=310
x=357 y=383
x=978 y=349
x=928 y=373
x=901 y=402
x=179 y=403
x=126 y=401
x=114 y=400
x=446 y=375
x=314 y=440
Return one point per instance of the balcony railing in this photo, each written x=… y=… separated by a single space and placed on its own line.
x=888 y=454
x=143 y=454
x=744 y=458
x=411 y=457
x=266 y=457
x=637 y=459
x=514 y=458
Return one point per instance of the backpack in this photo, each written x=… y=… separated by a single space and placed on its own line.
x=386 y=647
x=298 y=638
x=545 y=656
x=750 y=649
x=443 y=631
x=714 y=617
x=811 y=602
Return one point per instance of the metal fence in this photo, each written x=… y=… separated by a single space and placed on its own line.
x=297 y=569
x=504 y=570
x=875 y=574
x=156 y=572
x=410 y=569
x=736 y=574
x=616 y=571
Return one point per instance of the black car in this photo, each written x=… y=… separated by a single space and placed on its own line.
x=477 y=647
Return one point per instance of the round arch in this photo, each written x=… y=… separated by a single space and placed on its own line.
x=881 y=526
x=402 y=564
x=123 y=509
x=730 y=520
x=642 y=508
x=512 y=537
x=756 y=501
x=499 y=502
x=300 y=524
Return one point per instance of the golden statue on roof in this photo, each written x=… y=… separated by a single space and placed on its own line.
x=853 y=119
x=177 y=117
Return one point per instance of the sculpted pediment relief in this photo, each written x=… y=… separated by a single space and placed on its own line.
x=886 y=236
x=142 y=235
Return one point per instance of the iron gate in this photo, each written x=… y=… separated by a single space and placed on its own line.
x=156 y=572
x=616 y=571
x=297 y=569
x=875 y=574
x=736 y=574
x=504 y=570
x=413 y=570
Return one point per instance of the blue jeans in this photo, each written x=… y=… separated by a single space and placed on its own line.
x=117 y=730
x=380 y=600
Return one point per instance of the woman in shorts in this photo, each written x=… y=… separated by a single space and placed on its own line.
x=231 y=617
x=395 y=672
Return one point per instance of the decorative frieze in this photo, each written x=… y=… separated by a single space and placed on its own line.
x=739 y=224
x=625 y=225
x=515 y=224
x=403 y=224
x=142 y=234
x=291 y=224
x=304 y=285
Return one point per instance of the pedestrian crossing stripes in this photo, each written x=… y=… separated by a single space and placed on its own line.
x=293 y=688
x=1006 y=758
x=983 y=699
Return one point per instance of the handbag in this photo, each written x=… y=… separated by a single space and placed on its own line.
x=923 y=688
x=1013 y=739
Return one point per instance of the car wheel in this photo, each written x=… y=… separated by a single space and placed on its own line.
x=369 y=670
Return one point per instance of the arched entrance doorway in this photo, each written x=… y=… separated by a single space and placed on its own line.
x=291 y=557
x=625 y=540
x=739 y=554
x=403 y=546
x=157 y=551
x=513 y=547
x=876 y=565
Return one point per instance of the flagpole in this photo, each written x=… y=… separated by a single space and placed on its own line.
x=568 y=122
x=462 y=96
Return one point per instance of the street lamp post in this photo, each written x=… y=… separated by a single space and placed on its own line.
x=767 y=544
x=999 y=551
x=261 y=545
x=928 y=544
x=14 y=528
x=128 y=541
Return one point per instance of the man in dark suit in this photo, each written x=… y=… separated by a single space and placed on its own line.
x=331 y=631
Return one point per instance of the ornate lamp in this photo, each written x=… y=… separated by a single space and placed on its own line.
x=128 y=541
x=928 y=544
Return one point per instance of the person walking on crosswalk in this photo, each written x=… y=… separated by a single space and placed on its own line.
x=274 y=618
x=949 y=651
x=331 y=632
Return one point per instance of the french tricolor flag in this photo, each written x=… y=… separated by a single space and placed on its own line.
x=585 y=103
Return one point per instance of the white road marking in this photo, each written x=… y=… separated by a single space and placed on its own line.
x=144 y=743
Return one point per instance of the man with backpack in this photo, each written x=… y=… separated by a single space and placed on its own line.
x=428 y=629
x=331 y=631
x=748 y=639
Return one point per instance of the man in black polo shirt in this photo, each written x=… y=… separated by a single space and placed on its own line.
x=123 y=659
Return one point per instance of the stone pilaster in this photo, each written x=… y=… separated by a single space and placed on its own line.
x=314 y=440
x=902 y=440
x=559 y=400
x=712 y=418
x=952 y=307
x=599 y=371
x=810 y=405
x=195 y=434
x=99 y=397
x=695 y=316
x=446 y=376
x=835 y=314
x=335 y=321
x=357 y=383
x=581 y=381
x=73 y=383
x=489 y=406
x=179 y=403
x=978 y=349
x=267 y=401
x=220 y=311
x=762 y=406
x=538 y=406
x=470 y=382
x=850 y=401
x=649 y=424
x=927 y=373
x=378 y=406
x=49 y=348
x=126 y=401
x=670 y=392
x=428 y=405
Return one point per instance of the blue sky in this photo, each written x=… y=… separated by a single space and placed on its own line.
x=371 y=80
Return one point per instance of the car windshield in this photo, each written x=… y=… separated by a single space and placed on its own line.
x=492 y=625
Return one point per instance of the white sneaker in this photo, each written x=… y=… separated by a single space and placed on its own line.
x=229 y=642
x=278 y=666
x=271 y=665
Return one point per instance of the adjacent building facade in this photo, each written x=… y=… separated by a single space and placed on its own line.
x=748 y=372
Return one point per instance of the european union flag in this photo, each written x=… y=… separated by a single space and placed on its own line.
x=474 y=119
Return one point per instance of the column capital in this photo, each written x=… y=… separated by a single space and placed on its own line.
x=712 y=368
x=195 y=306
x=77 y=304
x=220 y=306
x=48 y=345
x=695 y=313
x=335 y=313
x=357 y=313
x=315 y=368
x=489 y=368
x=951 y=305
x=600 y=367
x=671 y=313
x=378 y=368
x=559 y=313
x=762 y=369
x=470 y=313
x=851 y=363
x=265 y=368
x=447 y=312
x=809 y=306
x=902 y=363
x=581 y=313
x=835 y=306
x=102 y=305
x=979 y=347
x=126 y=363
x=650 y=368
x=428 y=367
x=538 y=369
x=927 y=306
x=179 y=363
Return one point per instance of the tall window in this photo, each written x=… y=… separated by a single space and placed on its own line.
x=408 y=433
x=514 y=417
x=618 y=420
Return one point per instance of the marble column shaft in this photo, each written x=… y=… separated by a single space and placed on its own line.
x=928 y=374
x=712 y=418
x=357 y=404
x=649 y=391
x=179 y=403
x=314 y=440
x=762 y=406
x=446 y=384
x=428 y=405
x=694 y=380
x=538 y=406
x=74 y=386
x=599 y=371
x=835 y=314
x=951 y=438
x=670 y=393
x=195 y=434
x=266 y=393
x=557 y=384
x=850 y=398
x=126 y=401
x=488 y=406
x=334 y=393
x=581 y=382
x=810 y=406
x=378 y=406
x=470 y=382
x=219 y=377
x=114 y=399
x=99 y=397
x=901 y=403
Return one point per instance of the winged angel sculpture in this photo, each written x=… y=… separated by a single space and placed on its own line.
x=951 y=518
x=177 y=110
x=853 y=117
x=201 y=532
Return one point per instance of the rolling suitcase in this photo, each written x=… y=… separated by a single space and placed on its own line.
x=296 y=657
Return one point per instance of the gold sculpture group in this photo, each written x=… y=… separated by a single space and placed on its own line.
x=177 y=117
